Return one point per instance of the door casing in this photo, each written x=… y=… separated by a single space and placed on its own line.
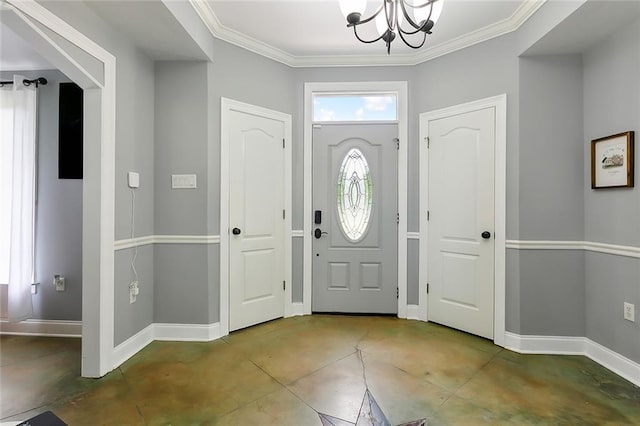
x=98 y=207
x=500 y=166
x=400 y=89
x=228 y=105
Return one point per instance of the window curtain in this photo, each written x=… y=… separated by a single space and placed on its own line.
x=21 y=148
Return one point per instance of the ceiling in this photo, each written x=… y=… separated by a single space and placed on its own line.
x=296 y=33
x=314 y=32
x=17 y=55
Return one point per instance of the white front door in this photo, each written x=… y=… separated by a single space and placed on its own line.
x=461 y=220
x=256 y=219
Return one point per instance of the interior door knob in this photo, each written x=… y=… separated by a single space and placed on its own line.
x=486 y=235
x=236 y=231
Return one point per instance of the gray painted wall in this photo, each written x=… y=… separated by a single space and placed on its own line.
x=549 y=284
x=551 y=147
x=59 y=215
x=552 y=296
x=612 y=105
x=181 y=145
x=413 y=266
x=181 y=291
x=130 y=318
x=182 y=272
x=134 y=152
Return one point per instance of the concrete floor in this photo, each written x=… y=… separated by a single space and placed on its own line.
x=288 y=371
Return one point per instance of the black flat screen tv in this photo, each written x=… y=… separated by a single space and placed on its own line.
x=70 y=132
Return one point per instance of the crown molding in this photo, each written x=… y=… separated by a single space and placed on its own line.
x=220 y=31
x=203 y=9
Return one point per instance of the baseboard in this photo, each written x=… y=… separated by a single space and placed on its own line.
x=48 y=328
x=557 y=345
x=132 y=346
x=297 y=309
x=415 y=313
x=615 y=362
x=164 y=332
x=187 y=332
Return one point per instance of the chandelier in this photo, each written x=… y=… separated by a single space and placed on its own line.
x=411 y=19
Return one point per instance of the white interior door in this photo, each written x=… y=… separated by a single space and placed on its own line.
x=461 y=221
x=355 y=203
x=256 y=219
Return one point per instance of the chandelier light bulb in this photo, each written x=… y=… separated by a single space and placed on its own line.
x=437 y=10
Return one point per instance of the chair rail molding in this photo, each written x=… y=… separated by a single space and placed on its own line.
x=165 y=239
x=613 y=249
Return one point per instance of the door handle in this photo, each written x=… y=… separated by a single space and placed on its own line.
x=236 y=231
x=318 y=233
x=486 y=235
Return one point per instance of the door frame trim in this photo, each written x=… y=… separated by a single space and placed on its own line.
x=500 y=173
x=98 y=208
x=226 y=106
x=400 y=89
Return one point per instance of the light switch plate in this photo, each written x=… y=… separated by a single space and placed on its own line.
x=183 y=181
x=134 y=179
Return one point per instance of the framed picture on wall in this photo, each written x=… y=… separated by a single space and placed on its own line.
x=612 y=161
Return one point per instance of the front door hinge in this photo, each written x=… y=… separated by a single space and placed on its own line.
x=428 y=141
x=283 y=142
x=284 y=285
x=427 y=215
x=397 y=217
x=397 y=141
x=427 y=288
x=397 y=293
x=283 y=214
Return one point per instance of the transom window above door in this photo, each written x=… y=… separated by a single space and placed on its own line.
x=329 y=107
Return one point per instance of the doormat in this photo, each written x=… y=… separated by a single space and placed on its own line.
x=45 y=419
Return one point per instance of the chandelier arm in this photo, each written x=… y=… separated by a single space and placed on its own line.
x=369 y=19
x=365 y=41
x=424 y=38
x=418 y=27
x=415 y=25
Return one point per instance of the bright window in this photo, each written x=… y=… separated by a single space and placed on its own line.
x=355 y=107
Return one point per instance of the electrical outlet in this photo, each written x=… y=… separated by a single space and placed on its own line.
x=629 y=312
x=133 y=291
x=59 y=282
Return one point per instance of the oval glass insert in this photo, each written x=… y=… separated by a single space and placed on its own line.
x=354 y=195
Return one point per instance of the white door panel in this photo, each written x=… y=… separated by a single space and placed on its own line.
x=256 y=203
x=461 y=208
